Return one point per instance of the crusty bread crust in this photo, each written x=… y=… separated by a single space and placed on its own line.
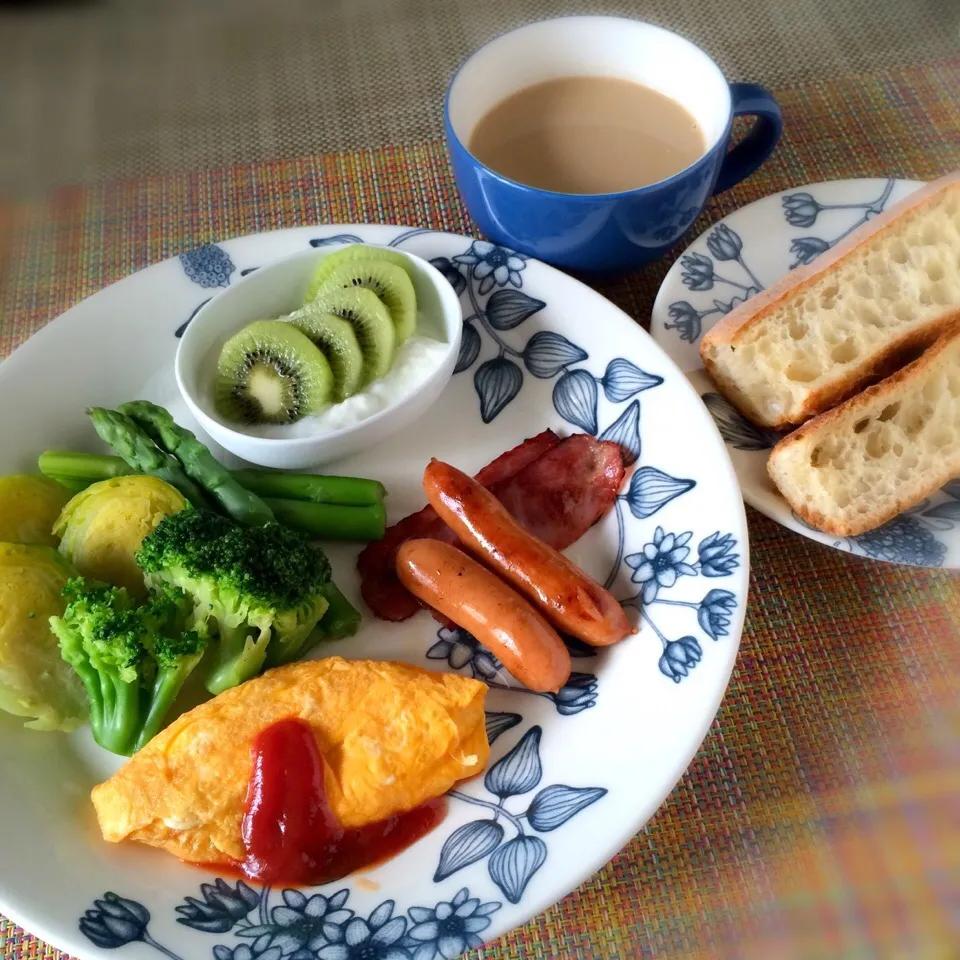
x=732 y=329
x=888 y=391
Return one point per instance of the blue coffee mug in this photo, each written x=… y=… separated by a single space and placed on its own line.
x=613 y=231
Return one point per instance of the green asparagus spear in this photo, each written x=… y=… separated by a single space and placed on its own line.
x=199 y=463
x=350 y=491
x=342 y=618
x=82 y=466
x=327 y=521
x=141 y=453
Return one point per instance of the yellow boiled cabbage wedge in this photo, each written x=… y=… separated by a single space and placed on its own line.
x=35 y=682
x=101 y=528
x=29 y=507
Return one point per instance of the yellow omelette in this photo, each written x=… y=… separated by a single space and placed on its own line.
x=393 y=736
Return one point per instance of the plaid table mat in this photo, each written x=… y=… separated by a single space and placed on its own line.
x=821 y=817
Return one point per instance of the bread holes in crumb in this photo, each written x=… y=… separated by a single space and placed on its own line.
x=889 y=411
x=844 y=352
x=828 y=296
x=904 y=311
x=899 y=252
x=915 y=421
x=941 y=295
x=935 y=270
x=802 y=371
x=861 y=425
x=878 y=444
x=797 y=329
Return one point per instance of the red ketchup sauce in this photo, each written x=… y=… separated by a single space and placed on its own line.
x=290 y=833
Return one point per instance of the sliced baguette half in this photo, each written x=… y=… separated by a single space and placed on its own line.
x=861 y=463
x=848 y=319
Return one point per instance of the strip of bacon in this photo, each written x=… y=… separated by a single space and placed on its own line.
x=556 y=488
x=381 y=589
x=562 y=494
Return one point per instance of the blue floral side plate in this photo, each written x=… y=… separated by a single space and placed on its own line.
x=750 y=249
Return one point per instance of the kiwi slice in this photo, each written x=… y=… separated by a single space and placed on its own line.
x=356 y=251
x=371 y=323
x=337 y=341
x=390 y=282
x=270 y=372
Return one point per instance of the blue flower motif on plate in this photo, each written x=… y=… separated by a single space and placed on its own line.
x=492 y=265
x=221 y=906
x=114 y=922
x=303 y=927
x=679 y=657
x=450 y=927
x=209 y=265
x=714 y=613
x=660 y=563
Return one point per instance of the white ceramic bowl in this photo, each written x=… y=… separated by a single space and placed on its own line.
x=274 y=291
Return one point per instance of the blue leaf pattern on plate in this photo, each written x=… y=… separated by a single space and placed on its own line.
x=497 y=382
x=468 y=844
x=952 y=489
x=497 y=723
x=336 y=238
x=469 y=348
x=547 y=353
x=451 y=273
x=625 y=431
x=652 y=489
x=507 y=309
x=735 y=428
x=519 y=771
x=575 y=399
x=623 y=380
x=948 y=510
x=553 y=806
x=179 y=332
x=514 y=864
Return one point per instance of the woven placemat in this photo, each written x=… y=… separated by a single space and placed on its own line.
x=820 y=818
x=93 y=91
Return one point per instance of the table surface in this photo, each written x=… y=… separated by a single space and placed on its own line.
x=821 y=816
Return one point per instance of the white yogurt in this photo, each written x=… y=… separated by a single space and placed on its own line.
x=416 y=359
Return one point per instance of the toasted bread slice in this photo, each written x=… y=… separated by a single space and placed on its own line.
x=848 y=319
x=857 y=466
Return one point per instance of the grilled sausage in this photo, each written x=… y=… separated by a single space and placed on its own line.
x=474 y=598
x=567 y=597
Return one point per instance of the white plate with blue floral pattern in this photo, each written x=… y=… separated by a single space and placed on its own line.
x=752 y=248
x=573 y=775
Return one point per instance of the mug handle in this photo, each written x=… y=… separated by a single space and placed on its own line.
x=751 y=100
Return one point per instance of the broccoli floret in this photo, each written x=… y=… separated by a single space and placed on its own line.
x=100 y=639
x=259 y=590
x=133 y=659
x=175 y=652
